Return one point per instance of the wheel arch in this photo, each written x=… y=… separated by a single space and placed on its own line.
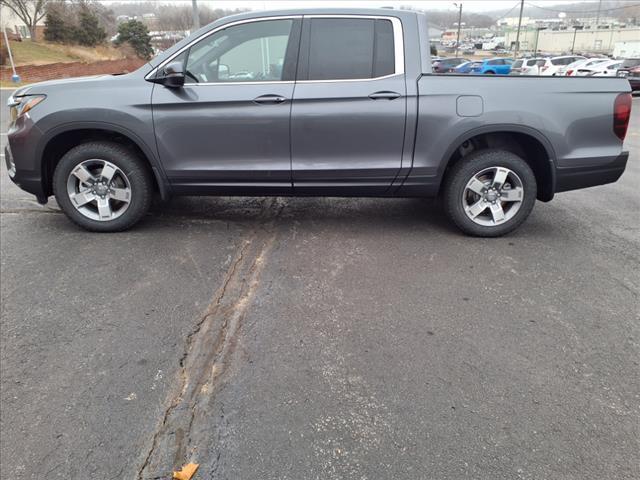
x=58 y=141
x=526 y=142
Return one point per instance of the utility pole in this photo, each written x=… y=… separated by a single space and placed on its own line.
x=515 y=56
x=598 y=14
x=459 y=26
x=196 y=16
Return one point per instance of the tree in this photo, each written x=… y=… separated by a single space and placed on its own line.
x=29 y=11
x=56 y=29
x=135 y=33
x=89 y=31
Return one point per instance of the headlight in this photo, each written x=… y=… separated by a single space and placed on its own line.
x=19 y=106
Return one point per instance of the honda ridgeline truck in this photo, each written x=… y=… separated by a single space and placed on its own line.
x=329 y=102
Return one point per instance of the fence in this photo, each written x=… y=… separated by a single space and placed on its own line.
x=39 y=73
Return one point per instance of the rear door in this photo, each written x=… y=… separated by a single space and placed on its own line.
x=349 y=105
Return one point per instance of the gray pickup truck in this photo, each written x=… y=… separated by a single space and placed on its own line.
x=338 y=102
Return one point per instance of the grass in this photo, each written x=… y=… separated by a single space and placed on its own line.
x=12 y=85
x=42 y=53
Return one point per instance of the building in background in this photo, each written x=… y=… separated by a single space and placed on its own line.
x=591 y=40
x=627 y=49
x=12 y=23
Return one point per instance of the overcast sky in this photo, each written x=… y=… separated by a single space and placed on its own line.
x=468 y=5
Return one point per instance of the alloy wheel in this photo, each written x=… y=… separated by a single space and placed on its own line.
x=99 y=190
x=493 y=196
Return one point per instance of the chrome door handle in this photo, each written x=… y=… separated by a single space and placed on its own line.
x=384 y=95
x=268 y=99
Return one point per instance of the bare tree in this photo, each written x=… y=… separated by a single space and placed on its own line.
x=29 y=11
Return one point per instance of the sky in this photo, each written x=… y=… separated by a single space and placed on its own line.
x=468 y=5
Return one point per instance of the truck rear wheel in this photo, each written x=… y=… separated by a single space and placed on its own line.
x=103 y=186
x=489 y=193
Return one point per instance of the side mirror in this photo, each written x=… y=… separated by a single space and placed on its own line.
x=171 y=76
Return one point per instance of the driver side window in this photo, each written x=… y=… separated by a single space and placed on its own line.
x=249 y=52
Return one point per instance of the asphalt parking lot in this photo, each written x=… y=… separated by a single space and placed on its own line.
x=323 y=338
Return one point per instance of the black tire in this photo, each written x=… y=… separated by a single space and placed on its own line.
x=136 y=170
x=465 y=169
x=490 y=72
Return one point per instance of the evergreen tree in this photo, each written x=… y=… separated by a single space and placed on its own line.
x=136 y=34
x=89 y=31
x=56 y=30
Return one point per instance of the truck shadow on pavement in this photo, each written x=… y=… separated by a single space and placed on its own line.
x=373 y=213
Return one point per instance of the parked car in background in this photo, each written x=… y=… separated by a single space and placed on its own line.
x=553 y=65
x=627 y=65
x=633 y=75
x=527 y=66
x=447 y=65
x=466 y=67
x=572 y=69
x=604 y=69
x=494 y=66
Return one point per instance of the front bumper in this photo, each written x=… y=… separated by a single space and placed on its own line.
x=573 y=178
x=22 y=158
x=28 y=181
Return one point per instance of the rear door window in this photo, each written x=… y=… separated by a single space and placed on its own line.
x=348 y=48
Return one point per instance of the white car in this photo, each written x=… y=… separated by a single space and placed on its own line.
x=604 y=69
x=527 y=66
x=572 y=69
x=553 y=65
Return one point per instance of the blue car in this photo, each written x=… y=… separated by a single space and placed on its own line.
x=466 y=67
x=494 y=66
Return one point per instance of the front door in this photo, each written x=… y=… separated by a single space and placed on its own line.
x=227 y=129
x=349 y=107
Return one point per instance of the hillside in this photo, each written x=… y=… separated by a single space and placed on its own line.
x=42 y=53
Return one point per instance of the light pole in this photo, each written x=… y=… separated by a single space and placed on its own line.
x=575 y=31
x=535 y=48
x=459 y=25
x=196 y=16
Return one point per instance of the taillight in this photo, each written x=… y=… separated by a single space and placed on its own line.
x=544 y=68
x=569 y=72
x=621 y=114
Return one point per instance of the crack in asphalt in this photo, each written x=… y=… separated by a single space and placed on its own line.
x=209 y=348
x=26 y=210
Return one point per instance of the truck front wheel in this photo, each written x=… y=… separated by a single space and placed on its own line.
x=489 y=193
x=103 y=186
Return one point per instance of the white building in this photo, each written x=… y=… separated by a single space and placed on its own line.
x=627 y=49
x=13 y=24
x=561 y=41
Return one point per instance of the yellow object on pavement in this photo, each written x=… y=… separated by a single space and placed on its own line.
x=186 y=473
